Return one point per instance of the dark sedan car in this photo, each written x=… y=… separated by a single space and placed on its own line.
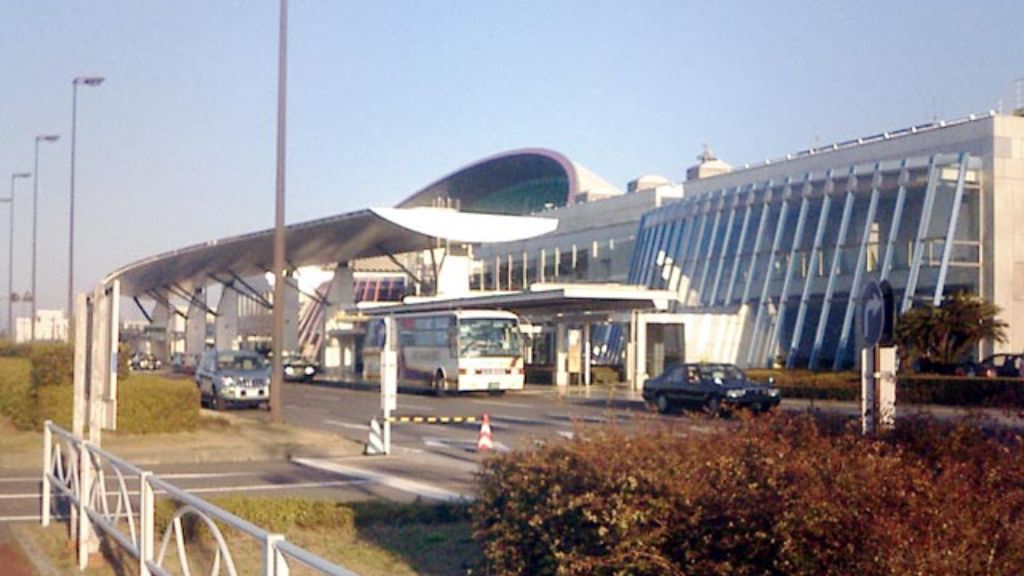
x=708 y=386
x=1002 y=366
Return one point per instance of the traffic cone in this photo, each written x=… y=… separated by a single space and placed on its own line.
x=485 y=442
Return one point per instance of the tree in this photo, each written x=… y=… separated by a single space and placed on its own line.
x=947 y=334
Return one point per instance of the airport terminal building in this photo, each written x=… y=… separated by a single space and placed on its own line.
x=758 y=265
x=767 y=260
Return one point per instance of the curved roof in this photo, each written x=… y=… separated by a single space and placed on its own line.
x=492 y=195
x=517 y=182
x=341 y=238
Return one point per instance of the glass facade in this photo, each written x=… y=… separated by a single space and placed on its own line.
x=791 y=254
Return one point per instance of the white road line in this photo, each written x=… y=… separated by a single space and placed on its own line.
x=467 y=445
x=349 y=425
x=36 y=518
x=567 y=434
x=413 y=487
x=515 y=420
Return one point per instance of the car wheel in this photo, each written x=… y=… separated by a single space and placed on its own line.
x=662 y=404
x=713 y=406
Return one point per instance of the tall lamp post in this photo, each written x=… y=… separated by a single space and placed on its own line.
x=88 y=81
x=35 y=218
x=277 y=330
x=10 y=258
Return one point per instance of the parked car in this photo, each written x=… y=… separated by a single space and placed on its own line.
x=966 y=367
x=1002 y=366
x=227 y=377
x=297 y=368
x=708 y=386
x=144 y=362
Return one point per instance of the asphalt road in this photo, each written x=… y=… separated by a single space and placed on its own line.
x=434 y=462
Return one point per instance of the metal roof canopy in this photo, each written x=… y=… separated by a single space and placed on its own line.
x=336 y=239
x=562 y=300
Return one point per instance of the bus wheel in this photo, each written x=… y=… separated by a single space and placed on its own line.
x=438 y=384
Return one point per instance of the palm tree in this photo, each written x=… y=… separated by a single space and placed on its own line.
x=947 y=334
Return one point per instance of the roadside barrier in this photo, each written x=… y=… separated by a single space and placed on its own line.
x=432 y=419
x=78 y=474
x=376 y=445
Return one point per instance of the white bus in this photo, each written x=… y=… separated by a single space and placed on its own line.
x=452 y=351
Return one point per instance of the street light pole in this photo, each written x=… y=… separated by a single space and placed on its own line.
x=277 y=331
x=10 y=260
x=88 y=81
x=35 y=217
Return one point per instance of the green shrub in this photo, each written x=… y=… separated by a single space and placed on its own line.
x=9 y=349
x=17 y=401
x=960 y=391
x=150 y=404
x=53 y=403
x=52 y=364
x=812 y=385
x=775 y=495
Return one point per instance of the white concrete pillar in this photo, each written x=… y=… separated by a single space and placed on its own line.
x=291 y=317
x=195 y=328
x=586 y=354
x=561 y=355
x=160 y=336
x=339 y=352
x=226 y=324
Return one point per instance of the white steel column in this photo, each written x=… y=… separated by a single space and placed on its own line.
x=763 y=302
x=725 y=245
x=819 y=235
x=922 y=231
x=833 y=271
x=758 y=240
x=738 y=253
x=947 y=248
x=858 y=269
x=694 y=249
x=775 y=340
x=713 y=239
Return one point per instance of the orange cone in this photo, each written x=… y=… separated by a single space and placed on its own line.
x=485 y=442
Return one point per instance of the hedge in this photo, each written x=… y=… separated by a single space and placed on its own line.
x=150 y=404
x=911 y=389
x=812 y=385
x=17 y=401
x=39 y=388
x=779 y=494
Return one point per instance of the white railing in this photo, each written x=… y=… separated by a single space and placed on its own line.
x=73 y=467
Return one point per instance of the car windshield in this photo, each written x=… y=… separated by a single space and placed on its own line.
x=723 y=371
x=488 y=337
x=240 y=362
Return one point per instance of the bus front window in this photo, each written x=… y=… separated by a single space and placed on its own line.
x=488 y=337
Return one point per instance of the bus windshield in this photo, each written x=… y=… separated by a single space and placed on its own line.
x=488 y=337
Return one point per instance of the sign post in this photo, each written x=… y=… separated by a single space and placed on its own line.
x=878 y=358
x=389 y=378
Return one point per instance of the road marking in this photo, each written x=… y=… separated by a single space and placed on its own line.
x=566 y=434
x=411 y=486
x=176 y=476
x=349 y=425
x=578 y=418
x=516 y=420
x=467 y=445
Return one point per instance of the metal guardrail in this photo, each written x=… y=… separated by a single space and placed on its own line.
x=78 y=473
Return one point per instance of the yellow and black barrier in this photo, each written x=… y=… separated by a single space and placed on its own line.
x=432 y=419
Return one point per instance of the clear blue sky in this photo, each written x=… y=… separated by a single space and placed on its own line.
x=177 y=147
